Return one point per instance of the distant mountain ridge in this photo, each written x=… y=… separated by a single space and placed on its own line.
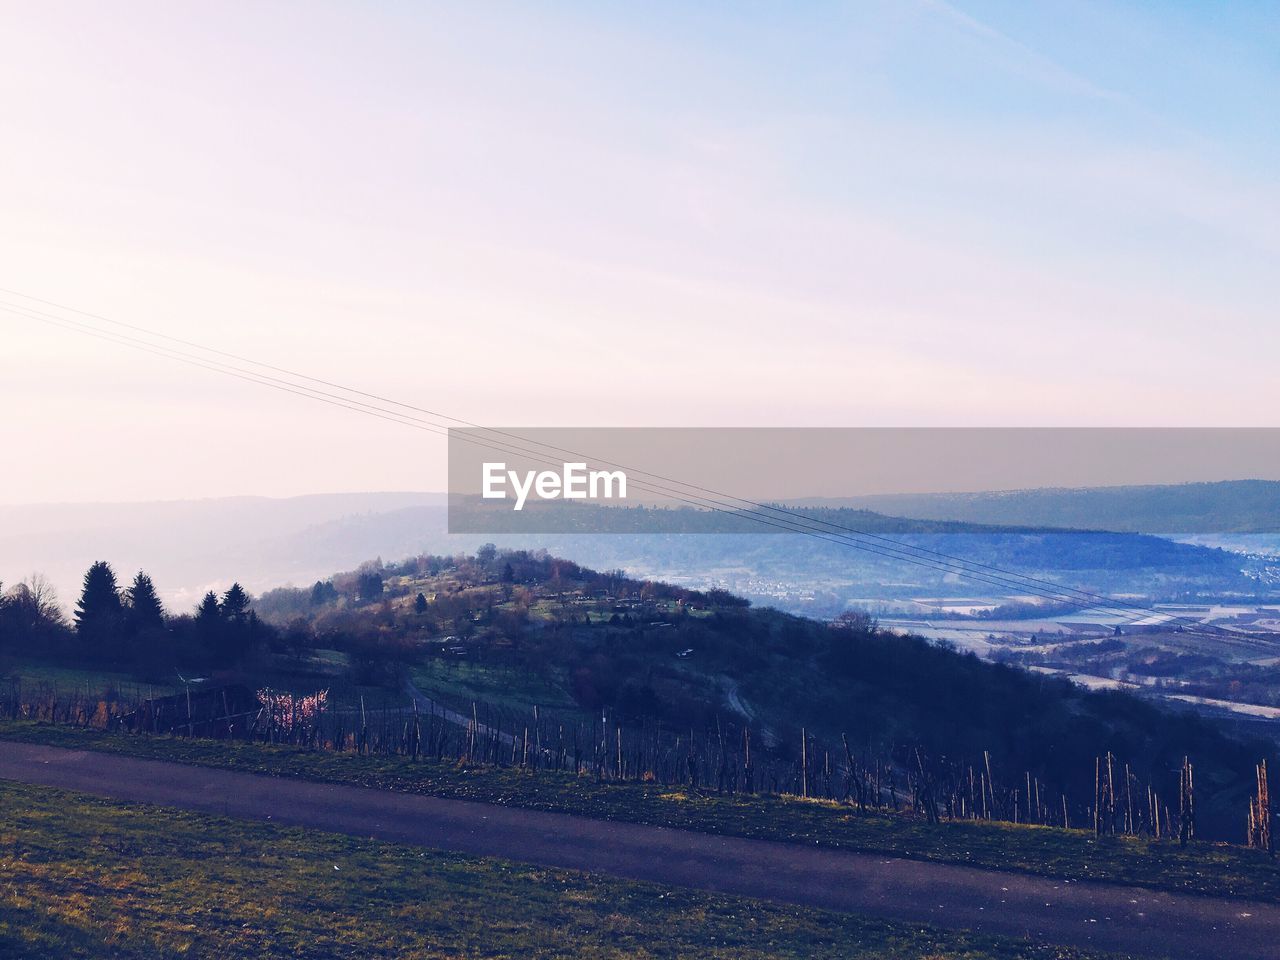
x=1229 y=506
x=193 y=546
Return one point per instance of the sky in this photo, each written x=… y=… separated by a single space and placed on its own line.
x=809 y=214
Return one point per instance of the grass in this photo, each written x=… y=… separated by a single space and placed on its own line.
x=88 y=878
x=459 y=683
x=1206 y=869
x=72 y=680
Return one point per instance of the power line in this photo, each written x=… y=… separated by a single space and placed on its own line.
x=818 y=523
x=766 y=514
x=308 y=393
x=957 y=566
x=754 y=507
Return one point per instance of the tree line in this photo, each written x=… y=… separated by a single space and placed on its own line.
x=129 y=627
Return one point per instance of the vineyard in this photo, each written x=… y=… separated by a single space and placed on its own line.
x=720 y=761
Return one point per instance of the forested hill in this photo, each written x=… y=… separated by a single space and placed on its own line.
x=526 y=629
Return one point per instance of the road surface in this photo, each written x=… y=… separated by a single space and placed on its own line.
x=1126 y=920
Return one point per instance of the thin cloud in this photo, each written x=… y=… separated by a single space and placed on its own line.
x=1026 y=60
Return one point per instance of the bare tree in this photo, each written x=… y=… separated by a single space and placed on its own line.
x=35 y=602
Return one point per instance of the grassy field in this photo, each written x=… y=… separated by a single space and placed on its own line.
x=459 y=683
x=85 y=682
x=320 y=670
x=87 y=878
x=1208 y=869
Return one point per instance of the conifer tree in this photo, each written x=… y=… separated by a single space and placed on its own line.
x=142 y=605
x=208 y=612
x=209 y=628
x=235 y=604
x=99 y=620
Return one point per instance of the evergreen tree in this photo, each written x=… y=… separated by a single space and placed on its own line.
x=207 y=612
x=235 y=604
x=208 y=626
x=369 y=586
x=100 y=596
x=239 y=630
x=99 y=619
x=419 y=604
x=146 y=639
x=143 y=610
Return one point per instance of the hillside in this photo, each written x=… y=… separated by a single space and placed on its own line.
x=521 y=657
x=515 y=631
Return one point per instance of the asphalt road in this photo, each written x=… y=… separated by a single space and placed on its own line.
x=1126 y=920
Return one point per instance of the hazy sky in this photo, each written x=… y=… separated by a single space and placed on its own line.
x=646 y=214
